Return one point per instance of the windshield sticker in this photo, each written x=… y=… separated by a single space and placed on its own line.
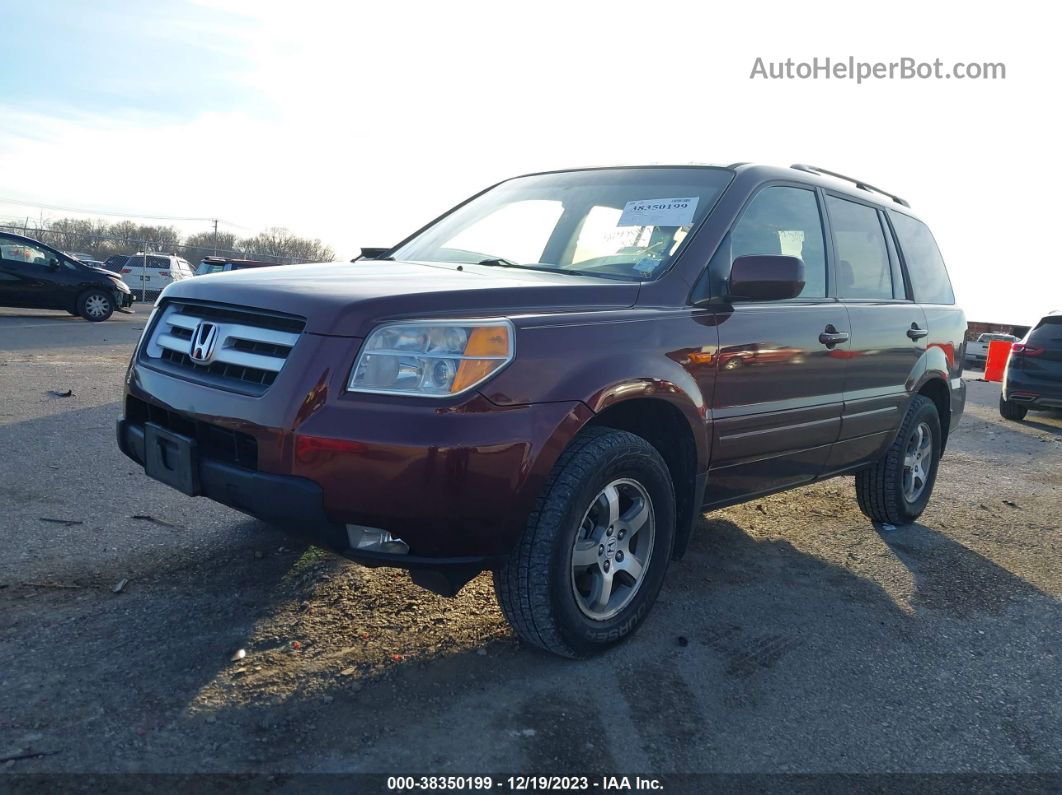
x=659 y=212
x=647 y=265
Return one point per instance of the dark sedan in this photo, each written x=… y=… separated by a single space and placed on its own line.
x=36 y=275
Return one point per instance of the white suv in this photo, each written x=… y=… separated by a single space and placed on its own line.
x=153 y=272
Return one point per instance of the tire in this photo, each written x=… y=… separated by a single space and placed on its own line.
x=885 y=493
x=1009 y=410
x=550 y=594
x=95 y=305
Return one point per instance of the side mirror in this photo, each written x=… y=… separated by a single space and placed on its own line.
x=766 y=277
x=53 y=264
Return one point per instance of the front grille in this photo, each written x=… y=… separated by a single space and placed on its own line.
x=221 y=444
x=251 y=375
x=237 y=349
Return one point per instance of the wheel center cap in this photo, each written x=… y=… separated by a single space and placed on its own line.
x=610 y=549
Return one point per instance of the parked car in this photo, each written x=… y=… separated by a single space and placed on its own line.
x=977 y=351
x=225 y=264
x=154 y=272
x=116 y=262
x=1033 y=377
x=36 y=275
x=532 y=383
x=87 y=259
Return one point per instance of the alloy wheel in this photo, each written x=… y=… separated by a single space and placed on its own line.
x=917 y=461
x=612 y=550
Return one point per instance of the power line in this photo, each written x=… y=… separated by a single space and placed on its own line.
x=62 y=208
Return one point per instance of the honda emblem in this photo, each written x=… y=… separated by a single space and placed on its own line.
x=204 y=338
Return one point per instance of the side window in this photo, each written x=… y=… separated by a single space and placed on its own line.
x=863 y=269
x=17 y=251
x=784 y=220
x=925 y=266
x=158 y=262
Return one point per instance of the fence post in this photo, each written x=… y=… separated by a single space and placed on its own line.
x=143 y=273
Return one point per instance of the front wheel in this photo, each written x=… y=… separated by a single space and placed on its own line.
x=595 y=550
x=95 y=305
x=897 y=488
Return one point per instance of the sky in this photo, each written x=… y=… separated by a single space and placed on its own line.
x=358 y=122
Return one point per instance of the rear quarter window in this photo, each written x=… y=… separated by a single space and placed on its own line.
x=925 y=266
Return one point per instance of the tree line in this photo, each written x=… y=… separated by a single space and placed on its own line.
x=101 y=239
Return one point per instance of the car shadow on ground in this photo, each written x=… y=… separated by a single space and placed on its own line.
x=753 y=650
x=1035 y=420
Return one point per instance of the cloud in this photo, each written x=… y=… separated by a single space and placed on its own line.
x=357 y=123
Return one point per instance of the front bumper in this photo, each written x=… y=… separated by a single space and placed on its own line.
x=296 y=504
x=452 y=479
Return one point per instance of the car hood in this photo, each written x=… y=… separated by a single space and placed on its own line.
x=349 y=298
x=111 y=275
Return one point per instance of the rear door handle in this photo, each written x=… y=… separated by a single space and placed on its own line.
x=916 y=333
x=831 y=336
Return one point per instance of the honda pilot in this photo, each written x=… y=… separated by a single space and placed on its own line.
x=556 y=378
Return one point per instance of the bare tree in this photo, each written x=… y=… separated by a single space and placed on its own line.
x=102 y=239
x=201 y=244
x=280 y=243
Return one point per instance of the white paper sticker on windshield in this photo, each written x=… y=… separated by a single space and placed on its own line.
x=659 y=212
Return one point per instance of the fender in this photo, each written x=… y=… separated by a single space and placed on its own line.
x=934 y=367
x=609 y=382
x=610 y=361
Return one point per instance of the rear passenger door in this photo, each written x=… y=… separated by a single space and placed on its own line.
x=888 y=330
x=781 y=364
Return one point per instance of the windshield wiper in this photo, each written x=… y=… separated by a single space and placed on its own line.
x=500 y=262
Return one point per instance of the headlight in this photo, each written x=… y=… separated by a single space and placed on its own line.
x=432 y=358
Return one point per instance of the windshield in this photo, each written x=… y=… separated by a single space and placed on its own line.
x=615 y=223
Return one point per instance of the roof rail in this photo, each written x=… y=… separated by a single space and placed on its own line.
x=858 y=182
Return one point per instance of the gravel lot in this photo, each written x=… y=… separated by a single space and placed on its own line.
x=794 y=636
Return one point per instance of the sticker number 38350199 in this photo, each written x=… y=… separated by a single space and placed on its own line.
x=659 y=212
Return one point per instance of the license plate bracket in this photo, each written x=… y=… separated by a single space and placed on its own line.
x=171 y=458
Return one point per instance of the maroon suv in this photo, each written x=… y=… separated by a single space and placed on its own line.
x=539 y=382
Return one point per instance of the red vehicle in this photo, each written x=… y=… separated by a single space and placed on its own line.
x=536 y=383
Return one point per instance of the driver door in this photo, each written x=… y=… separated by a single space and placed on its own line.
x=25 y=278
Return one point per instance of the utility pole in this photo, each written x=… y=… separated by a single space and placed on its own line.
x=215 y=237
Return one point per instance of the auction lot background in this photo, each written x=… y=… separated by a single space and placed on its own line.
x=809 y=641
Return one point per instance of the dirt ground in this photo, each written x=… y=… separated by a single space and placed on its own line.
x=794 y=637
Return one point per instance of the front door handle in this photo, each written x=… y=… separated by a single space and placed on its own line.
x=916 y=333
x=831 y=336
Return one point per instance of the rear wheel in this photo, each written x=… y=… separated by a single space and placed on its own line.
x=95 y=305
x=1009 y=410
x=897 y=488
x=595 y=550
